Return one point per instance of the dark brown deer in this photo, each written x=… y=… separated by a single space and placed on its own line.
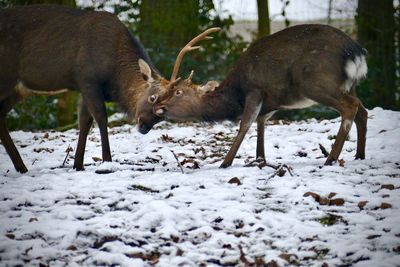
x=291 y=69
x=46 y=48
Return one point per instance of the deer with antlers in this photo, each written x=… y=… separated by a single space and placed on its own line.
x=291 y=69
x=94 y=53
x=159 y=85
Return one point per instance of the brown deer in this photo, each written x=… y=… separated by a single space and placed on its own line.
x=45 y=48
x=294 y=68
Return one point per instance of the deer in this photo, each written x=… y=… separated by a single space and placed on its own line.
x=45 y=49
x=291 y=69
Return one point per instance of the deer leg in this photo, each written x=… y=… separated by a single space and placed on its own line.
x=251 y=109
x=5 y=106
x=85 y=122
x=361 y=124
x=95 y=104
x=348 y=110
x=260 y=138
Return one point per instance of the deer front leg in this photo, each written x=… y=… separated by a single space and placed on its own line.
x=251 y=110
x=260 y=156
x=94 y=104
x=5 y=106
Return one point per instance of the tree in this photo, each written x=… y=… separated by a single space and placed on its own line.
x=175 y=20
x=377 y=31
x=164 y=27
x=264 y=27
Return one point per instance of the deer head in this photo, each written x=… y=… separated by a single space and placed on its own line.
x=184 y=100
x=160 y=86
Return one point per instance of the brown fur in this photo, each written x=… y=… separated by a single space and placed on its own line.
x=289 y=69
x=48 y=48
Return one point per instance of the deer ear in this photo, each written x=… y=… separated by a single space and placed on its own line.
x=208 y=87
x=145 y=70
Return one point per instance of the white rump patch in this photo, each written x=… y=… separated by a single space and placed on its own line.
x=303 y=103
x=356 y=70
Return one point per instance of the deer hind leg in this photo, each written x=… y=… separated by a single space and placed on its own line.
x=361 y=124
x=85 y=123
x=251 y=110
x=348 y=106
x=5 y=106
x=260 y=155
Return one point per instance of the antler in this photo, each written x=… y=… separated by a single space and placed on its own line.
x=190 y=47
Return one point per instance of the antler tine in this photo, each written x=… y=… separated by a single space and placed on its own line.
x=190 y=47
x=189 y=79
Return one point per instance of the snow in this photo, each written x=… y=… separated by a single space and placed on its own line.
x=140 y=209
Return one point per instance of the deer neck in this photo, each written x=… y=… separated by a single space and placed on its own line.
x=226 y=102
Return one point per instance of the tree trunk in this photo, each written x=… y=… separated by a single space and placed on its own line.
x=376 y=32
x=264 y=27
x=174 y=20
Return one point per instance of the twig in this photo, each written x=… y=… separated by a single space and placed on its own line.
x=281 y=172
x=323 y=150
x=177 y=160
x=261 y=164
x=279 y=169
x=69 y=149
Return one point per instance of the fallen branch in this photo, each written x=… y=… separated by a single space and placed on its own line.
x=177 y=160
x=279 y=169
x=69 y=149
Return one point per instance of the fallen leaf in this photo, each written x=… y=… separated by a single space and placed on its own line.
x=336 y=202
x=96 y=159
x=272 y=263
x=362 y=204
x=324 y=201
x=385 y=205
x=332 y=194
x=387 y=186
x=10 y=236
x=72 y=248
x=341 y=162
x=373 y=236
x=235 y=180
x=290 y=258
x=314 y=195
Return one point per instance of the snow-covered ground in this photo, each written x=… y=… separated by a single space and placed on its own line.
x=141 y=210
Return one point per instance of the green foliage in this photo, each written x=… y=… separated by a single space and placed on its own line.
x=318 y=112
x=212 y=62
x=37 y=112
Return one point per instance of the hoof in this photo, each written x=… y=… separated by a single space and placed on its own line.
x=329 y=162
x=22 y=169
x=79 y=168
x=360 y=157
x=224 y=165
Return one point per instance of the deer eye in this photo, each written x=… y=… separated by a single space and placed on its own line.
x=178 y=92
x=152 y=99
